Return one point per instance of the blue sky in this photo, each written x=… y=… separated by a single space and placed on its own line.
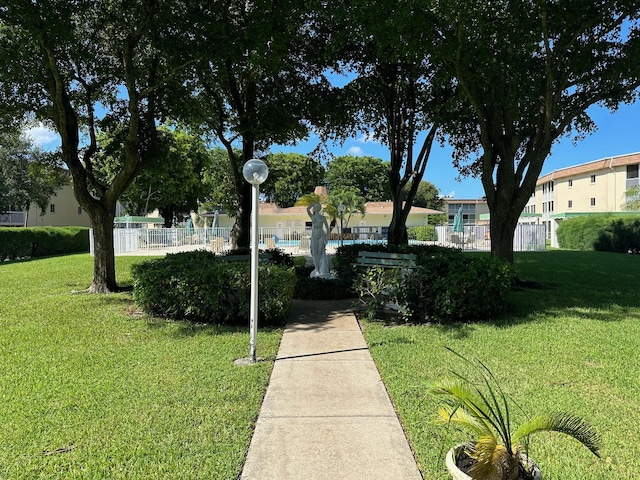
x=618 y=134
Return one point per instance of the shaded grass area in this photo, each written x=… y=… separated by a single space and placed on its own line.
x=571 y=343
x=91 y=388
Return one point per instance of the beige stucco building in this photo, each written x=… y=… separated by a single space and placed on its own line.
x=594 y=187
x=63 y=211
x=377 y=215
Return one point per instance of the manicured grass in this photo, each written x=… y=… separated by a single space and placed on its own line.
x=572 y=345
x=90 y=388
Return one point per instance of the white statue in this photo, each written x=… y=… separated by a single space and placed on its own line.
x=319 y=236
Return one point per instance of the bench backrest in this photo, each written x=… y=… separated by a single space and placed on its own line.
x=263 y=257
x=385 y=259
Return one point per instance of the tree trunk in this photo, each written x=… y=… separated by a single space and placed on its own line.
x=503 y=223
x=104 y=269
x=398 y=226
x=241 y=232
x=501 y=242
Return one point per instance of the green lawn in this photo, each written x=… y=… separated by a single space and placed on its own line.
x=572 y=345
x=90 y=388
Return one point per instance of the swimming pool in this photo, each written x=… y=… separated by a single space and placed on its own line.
x=330 y=243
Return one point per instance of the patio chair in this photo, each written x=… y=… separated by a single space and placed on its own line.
x=304 y=244
x=218 y=244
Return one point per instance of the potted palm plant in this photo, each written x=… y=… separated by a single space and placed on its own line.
x=497 y=450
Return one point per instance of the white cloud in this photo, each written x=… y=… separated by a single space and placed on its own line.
x=42 y=136
x=367 y=138
x=355 y=151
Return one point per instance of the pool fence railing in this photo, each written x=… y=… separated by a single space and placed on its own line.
x=295 y=240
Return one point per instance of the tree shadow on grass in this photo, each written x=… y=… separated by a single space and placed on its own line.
x=186 y=328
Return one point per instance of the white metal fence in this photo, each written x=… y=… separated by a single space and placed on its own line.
x=528 y=237
x=160 y=241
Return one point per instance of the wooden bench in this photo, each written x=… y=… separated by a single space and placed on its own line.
x=402 y=261
x=385 y=260
x=263 y=257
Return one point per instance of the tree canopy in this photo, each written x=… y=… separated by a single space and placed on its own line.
x=291 y=175
x=502 y=80
x=526 y=74
x=260 y=86
x=68 y=63
x=174 y=185
x=367 y=175
x=27 y=174
x=394 y=93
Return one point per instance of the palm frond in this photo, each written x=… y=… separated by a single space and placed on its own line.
x=459 y=393
x=565 y=423
x=493 y=460
x=461 y=418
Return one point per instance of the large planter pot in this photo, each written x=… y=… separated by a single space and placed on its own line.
x=458 y=474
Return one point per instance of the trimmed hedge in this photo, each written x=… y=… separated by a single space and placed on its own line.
x=446 y=285
x=32 y=242
x=198 y=286
x=426 y=233
x=605 y=233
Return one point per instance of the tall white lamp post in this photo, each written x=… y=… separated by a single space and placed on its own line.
x=341 y=209
x=255 y=172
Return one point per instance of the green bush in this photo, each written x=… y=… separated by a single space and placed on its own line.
x=607 y=232
x=32 y=242
x=445 y=286
x=426 y=233
x=278 y=257
x=299 y=262
x=469 y=287
x=308 y=288
x=199 y=287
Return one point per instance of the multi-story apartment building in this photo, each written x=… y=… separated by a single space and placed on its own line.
x=594 y=187
x=472 y=210
x=63 y=210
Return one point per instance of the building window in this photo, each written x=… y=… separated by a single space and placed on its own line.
x=52 y=208
x=468 y=212
x=570 y=183
x=632 y=171
x=593 y=179
x=79 y=210
x=551 y=207
x=570 y=204
x=593 y=202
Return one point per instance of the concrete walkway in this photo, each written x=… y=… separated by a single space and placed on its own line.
x=326 y=414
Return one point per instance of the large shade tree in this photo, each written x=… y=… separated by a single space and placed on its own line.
x=260 y=89
x=291 y=175
x=28 y=175
x=64 y=62
x=527 y=73
x=368 y=175
x=385 y=50
x=174 y=186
